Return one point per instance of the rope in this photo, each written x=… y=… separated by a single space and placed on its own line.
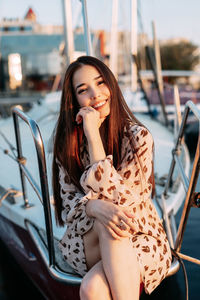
x=189 y=258
x=184 y=272
x=8 y=192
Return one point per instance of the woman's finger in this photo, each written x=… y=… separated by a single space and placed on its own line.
x=120 y=229
x=128 y=221
x=79 y=117
x=113 y=233
x=128 y=213
x=133 y=225
x=87 y=108
x=86 y=111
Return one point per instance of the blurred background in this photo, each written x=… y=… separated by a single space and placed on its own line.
x=33 y=53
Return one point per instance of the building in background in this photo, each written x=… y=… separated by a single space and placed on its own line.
x=39 y=49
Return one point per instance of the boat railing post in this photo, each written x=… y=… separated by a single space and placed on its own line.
x=175 y=151
x=189 y=201
x=21 y=160
x=39 y=146
x=177 y=114
x=189 y=184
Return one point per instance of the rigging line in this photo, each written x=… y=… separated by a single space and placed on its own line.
x=6 y=152
x=12 y=148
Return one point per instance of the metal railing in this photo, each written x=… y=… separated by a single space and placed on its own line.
x=192 y=197
x=47 y=252
x=43 y=191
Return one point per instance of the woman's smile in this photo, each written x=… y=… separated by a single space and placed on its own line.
x=100 y=104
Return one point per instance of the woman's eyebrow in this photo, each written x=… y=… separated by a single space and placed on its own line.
x=81 y=84
x=99 y=76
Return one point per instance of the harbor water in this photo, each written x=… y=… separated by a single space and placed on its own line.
x=15 y=284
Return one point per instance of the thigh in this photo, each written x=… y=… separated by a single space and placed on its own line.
x=91 y=247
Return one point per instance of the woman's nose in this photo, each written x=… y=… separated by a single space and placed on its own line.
x=95 y=94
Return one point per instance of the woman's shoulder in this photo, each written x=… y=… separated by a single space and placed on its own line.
x=138 y=132
x=135 y=128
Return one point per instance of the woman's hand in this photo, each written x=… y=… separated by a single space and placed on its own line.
x=91 y=123
x=90 y=118
x=117 y=220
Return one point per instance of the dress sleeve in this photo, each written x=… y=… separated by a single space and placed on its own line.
x=74 y=204
x=123 y=186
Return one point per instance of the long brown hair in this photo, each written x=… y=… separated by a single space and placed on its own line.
x=69 y=136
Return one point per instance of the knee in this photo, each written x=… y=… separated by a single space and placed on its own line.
x=89 y=289
x=104 y=234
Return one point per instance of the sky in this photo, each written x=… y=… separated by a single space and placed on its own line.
x=173 y=18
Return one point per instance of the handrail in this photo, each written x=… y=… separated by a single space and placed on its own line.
x=39 y=146
x=54 y=271
x=189 y=185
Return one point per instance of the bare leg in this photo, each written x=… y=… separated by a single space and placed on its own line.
x=94 y=284
x=120 y=265
x=118 y=259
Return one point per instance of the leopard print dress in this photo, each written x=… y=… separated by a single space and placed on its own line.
x=130 y=186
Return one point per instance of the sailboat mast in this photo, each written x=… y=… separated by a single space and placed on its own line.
x=86 y=28
x=157 y=57
x=133 y=45
x=114 y=38
x=68 y=31
x=158 y=74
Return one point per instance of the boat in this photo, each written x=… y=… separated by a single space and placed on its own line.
x=27 y=220
x=28 y=226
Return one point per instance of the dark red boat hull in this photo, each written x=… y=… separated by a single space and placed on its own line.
x=23 y=249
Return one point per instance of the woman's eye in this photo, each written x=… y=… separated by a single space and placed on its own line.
x=101 y=82
x=81 y=91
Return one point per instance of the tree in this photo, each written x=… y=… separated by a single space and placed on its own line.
x=179 y=56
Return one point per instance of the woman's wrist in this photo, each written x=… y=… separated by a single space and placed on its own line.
x=96 y=149
x=90 y=208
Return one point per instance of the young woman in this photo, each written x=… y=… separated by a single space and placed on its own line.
x=103 y=181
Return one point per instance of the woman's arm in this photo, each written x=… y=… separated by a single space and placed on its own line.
x=91 y=124
x=130 y=186
x=108 y=214
x=74 y=204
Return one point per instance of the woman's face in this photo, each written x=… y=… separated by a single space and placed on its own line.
x=91 y=90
